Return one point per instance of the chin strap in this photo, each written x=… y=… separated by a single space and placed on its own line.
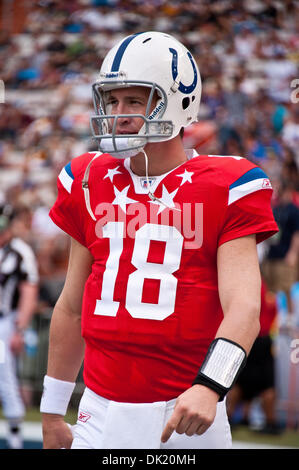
x=150 y=194
x=85 y=186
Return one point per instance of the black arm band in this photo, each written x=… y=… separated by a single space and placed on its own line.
x=223 y=363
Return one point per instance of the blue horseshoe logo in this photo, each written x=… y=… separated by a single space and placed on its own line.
x=174 y=66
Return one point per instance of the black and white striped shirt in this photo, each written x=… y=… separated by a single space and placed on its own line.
x=17 y=263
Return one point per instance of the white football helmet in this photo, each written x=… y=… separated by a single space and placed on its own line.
x=160 y=62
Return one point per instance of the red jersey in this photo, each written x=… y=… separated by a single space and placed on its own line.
x=151 y=306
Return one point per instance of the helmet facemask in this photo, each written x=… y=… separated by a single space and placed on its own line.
x=104 y=124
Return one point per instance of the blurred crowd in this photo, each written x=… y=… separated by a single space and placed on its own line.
x=248 y=55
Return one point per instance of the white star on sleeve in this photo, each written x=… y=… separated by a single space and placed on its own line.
x=186 y=176
x=166 y=199
x=121 y=198
x=111 y=173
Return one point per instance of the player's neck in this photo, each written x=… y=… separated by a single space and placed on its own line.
x=162 y=157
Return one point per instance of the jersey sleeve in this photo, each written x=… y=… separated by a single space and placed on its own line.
x=248 y=209
x=67 y=212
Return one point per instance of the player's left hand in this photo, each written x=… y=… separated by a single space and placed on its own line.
x=194 y=412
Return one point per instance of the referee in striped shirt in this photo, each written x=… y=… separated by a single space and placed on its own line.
x=18 y=298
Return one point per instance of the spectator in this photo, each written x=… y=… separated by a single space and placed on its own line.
x=236 y=101
x=290 y=132
x=280 y=266
x=280 y=71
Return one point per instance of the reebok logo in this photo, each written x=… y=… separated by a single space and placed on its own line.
x=266 y=183
x=82 y=416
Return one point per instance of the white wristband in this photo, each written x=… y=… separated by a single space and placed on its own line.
x=56 y=395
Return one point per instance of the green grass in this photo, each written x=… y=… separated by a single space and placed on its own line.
x=288 y=438
x=33 y=414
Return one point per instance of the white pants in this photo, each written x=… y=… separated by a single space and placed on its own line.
x=105 y=424
x=12 y=403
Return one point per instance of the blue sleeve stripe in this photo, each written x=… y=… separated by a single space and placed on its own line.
x=68 y=169
x=120 y=52
x=253 y=174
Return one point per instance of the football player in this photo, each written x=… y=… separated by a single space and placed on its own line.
x=162 y=293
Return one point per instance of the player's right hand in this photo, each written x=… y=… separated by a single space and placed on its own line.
x=56 y=432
